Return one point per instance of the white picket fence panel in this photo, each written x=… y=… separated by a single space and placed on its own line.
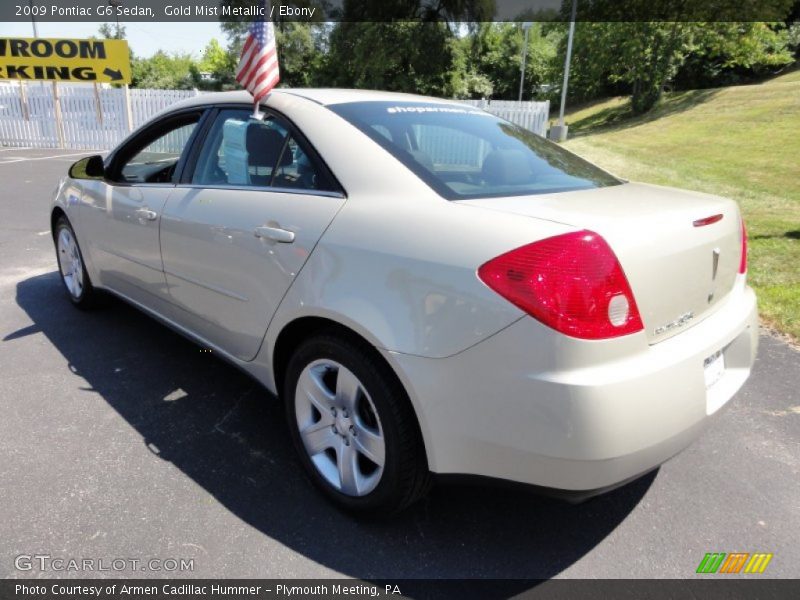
x=33 y=123
x=532 y=116
x=146 y=103
x=36 y=128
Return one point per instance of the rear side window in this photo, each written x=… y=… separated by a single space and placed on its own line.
x=463 y=152
x=242 y=151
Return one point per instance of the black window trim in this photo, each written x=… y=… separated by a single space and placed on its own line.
x=185 y=180
x=140 y=140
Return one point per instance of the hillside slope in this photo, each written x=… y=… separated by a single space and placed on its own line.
x=742 y=142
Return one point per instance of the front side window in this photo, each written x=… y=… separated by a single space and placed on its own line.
x=463 y=152
x=242 y=151
x=155 y=161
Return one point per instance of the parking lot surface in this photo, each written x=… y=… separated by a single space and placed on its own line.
x=121 y=439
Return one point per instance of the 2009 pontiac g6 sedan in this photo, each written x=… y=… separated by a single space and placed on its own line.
x=430 y=289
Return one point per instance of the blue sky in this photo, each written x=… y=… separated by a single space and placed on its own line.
x=143 y=38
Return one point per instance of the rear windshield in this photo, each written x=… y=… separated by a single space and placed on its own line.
x=463 y=152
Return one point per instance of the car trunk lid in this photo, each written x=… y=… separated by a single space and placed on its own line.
x=680 y=257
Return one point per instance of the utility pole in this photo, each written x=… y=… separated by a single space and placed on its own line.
x=36 y=35
x=526 y=28
x=116 y=4
x=33 y=20
x=559 y=132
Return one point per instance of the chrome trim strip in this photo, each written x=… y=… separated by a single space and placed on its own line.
x=253 y=188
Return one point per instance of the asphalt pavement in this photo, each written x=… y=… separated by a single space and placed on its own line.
x=120 y=439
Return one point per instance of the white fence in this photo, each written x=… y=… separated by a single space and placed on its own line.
x=85 y=117
x=82 y=117
x=533 y=116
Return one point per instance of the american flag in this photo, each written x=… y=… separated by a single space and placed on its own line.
x=258 y=70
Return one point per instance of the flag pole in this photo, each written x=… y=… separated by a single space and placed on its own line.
x=258 y=71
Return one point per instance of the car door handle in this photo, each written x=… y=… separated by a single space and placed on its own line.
x=146 y=214
x=276 y=234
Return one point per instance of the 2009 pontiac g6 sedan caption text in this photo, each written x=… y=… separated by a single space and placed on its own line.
x=429 y=289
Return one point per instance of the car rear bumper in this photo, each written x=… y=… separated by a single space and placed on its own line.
x=533 y=406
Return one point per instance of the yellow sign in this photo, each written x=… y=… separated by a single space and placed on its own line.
x=75 y=61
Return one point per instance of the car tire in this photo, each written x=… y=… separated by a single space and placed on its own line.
x=72 y=268
x=369 y=416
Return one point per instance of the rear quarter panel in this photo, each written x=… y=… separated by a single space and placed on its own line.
x=402 y=273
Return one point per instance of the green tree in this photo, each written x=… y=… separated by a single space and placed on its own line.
x=641 y=58
x=164 y=71
x=112 y=32
x=649 y=55
x=729 y=53
x=219 y=63
x=441 y=11
x=300 y=51
x=793 y=37
x=494 y=51
x=412 y=56
x=467 y=82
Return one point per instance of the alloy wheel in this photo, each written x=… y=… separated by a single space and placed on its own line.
x=70 y=263
x=339 y=427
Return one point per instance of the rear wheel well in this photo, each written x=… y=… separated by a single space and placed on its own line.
x=299 y=330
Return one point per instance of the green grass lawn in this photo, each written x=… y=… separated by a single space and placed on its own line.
x=741 y=142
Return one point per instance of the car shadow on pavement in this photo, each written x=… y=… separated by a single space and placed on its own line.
x=225 y=432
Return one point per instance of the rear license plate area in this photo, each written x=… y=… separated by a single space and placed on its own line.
x=714 y=368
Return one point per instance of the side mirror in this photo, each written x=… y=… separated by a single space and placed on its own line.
x=91 y=167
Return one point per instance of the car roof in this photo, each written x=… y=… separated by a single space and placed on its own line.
x=322 y=96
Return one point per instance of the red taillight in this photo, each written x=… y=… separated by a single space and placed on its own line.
x=571 y=282
x=743 y=261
